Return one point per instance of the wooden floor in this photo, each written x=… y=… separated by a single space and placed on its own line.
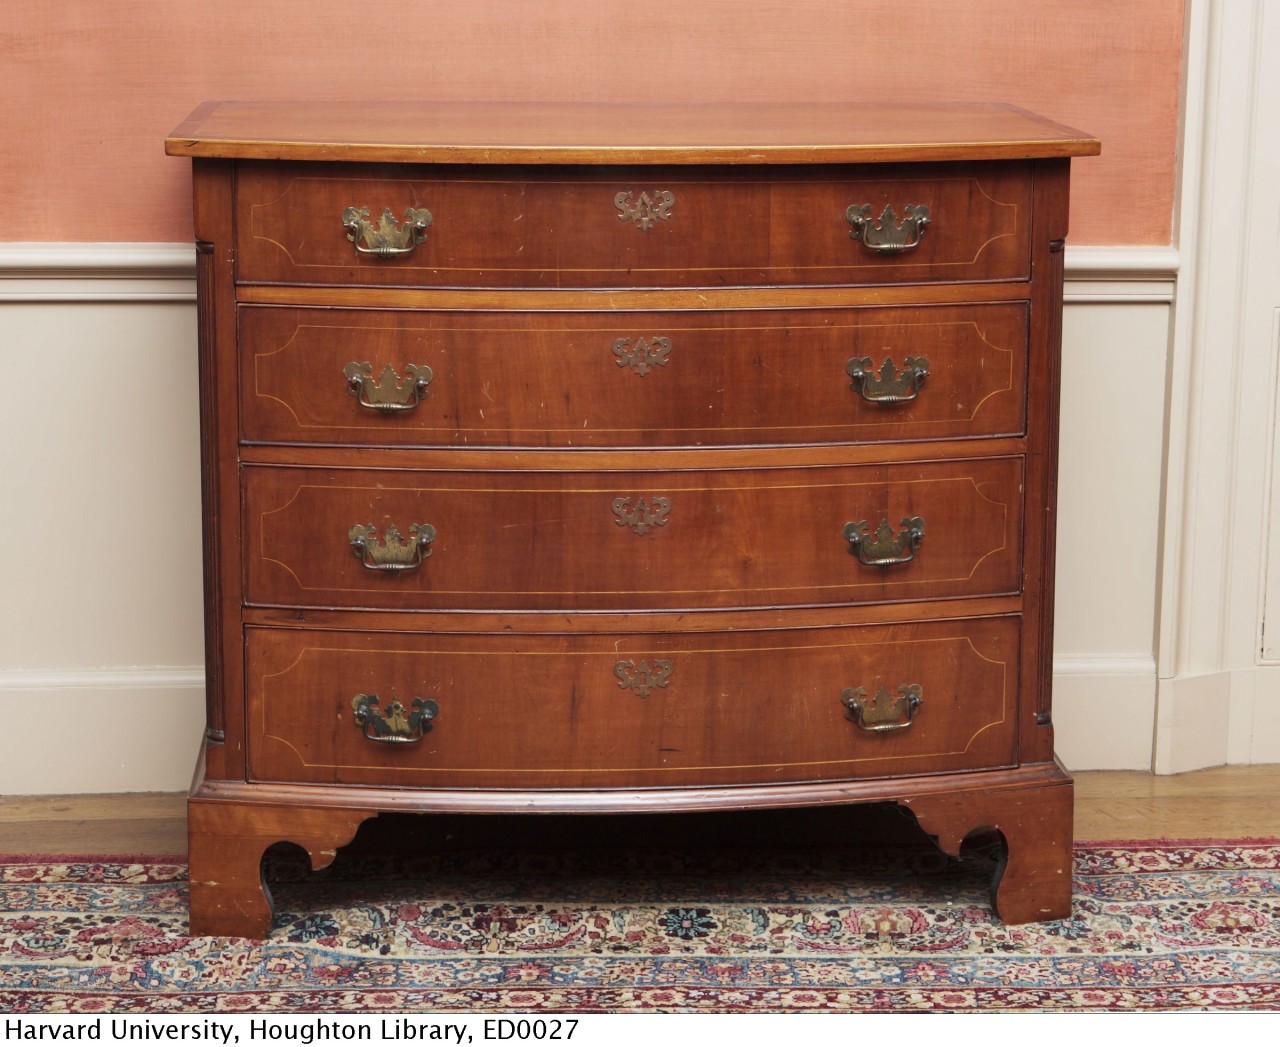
x=1219 y=803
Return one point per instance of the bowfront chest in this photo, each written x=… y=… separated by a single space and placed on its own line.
x=603 y=459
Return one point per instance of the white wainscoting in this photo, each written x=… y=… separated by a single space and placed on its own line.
x=101 y=635
x=100 y=623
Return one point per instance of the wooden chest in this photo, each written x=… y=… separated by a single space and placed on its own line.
x=584 y=458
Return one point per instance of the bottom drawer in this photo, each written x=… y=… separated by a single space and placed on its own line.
x=627 y=710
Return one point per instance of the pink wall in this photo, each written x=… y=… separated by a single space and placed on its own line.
x=91 y=87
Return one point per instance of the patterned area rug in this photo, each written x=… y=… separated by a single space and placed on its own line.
x=1155 y=927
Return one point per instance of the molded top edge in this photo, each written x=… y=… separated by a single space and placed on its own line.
x=595 y=132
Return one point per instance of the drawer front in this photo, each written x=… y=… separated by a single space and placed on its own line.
x=639 y=227
x=627 y=540
x=627 y=711
x=632 y=379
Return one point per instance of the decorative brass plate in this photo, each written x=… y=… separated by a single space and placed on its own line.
x=641 y=515
x=888 y=386
x=393 y=552
x=888 y=234
x=883 y=711
x=643 y=678
x=643 y=354
x=886 y=548
x=386 y=238
x=645 y=211
x=393 y=724
x=389 y=393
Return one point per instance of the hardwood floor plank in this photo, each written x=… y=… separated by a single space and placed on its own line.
x=1218 y=803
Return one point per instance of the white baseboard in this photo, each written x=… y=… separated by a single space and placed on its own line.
x=1103 y=711
x=99 y=730
x=1231 y=716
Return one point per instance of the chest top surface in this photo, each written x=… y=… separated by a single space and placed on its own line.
x=592 y=132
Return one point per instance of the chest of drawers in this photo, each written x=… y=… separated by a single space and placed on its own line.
x=612 y=459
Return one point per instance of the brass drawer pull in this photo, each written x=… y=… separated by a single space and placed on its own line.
x=888 y=386
x=642 y=355
x=389 y=392
x=394 y=724
x=642 y=677
x=392 y=552
x=883 y=711
x=644 y=210
x=386 y=238
x=886 y=548
x=888 y=234
x=640 y=514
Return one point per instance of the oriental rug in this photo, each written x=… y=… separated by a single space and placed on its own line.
x=1156 y=926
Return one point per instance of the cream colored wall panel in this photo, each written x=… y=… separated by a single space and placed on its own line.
x=1264 y=715
x=1109 y=480
x=101 y=477
x=1109 y=490
x=1216 y=703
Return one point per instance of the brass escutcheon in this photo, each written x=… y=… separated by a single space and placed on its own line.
x=644 y=210
x=641 y=515
x=642 y=355
x=642 y=677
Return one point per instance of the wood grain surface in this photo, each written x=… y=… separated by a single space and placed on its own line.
x=573 y=132
x=679 y=379
x=537 y=540
x=631 y=712
x=548 y=228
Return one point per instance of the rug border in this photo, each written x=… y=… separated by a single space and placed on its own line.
x=81 y=859
x=1178 y=841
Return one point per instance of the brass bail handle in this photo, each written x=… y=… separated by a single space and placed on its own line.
x=386 y=238
x=886 y=547
x=883 y=711
x=888 y=385
x=392 y=553
x=388 y=393
x=888 y=234
x=394 y=724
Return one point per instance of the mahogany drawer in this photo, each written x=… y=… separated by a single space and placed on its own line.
x=630 y=711
x=551 y=379
x=324 y=537
x=630 y=227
